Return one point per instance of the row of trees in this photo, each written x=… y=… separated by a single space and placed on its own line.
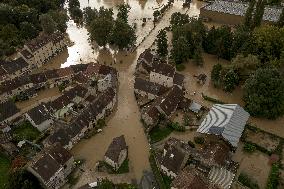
x=104 y=29
x=21 y=21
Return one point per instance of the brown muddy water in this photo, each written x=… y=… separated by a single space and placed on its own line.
x=126 y=119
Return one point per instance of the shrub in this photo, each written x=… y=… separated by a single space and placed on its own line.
x=199 y=140
x=191 y=144
x=250 y=148
x=180 y=67
x=247 y=181
x=177 y=127
x=273 y=179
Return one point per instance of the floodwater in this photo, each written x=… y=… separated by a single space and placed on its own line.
x=126 y=119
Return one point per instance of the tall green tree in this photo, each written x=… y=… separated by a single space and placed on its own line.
x=123 y=35
x=280 y=22
x=197 y=56
x=230 y=80
x=259 y=11
x=264 y=93
x=89 y=15
x=123 y=11
x=28 y=31
x=180 y=51
x=179 y=19
x=100 y=30
x=216 y=75
x=249 y=14
x=162 y=43
x=61 y=18
x=47 y=23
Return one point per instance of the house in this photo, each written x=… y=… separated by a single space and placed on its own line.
x=8 y=111
x=226 y=120
x=150 y=117
x=29 y=58
x=39 y=80
x=39 y=117
x=190 y=179
x=233 y=12
x=64 y=75
x=52 y=78
x=168 y=103
x=116 y=153
x=52 y=166
x=145 y=61
x=174 y=157
x=104 y=83
x=148 y=89
x=162 y=74
x=10 y=149
x=179 y=80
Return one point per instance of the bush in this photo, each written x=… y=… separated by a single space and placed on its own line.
x=250 y=148
x=247 y=181
x=191 y=144
x=199 y=140
x=156 y=172
x=159 y=133
x=177 y=127
x=210 y=99
x=273 y=179
x=180 y=67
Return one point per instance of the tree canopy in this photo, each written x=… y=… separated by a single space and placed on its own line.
x=162 y=43
x=264 y=93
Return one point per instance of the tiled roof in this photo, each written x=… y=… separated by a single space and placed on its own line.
x=7 y=109
x=163 y=69
x=149 y=87
x=39 y=114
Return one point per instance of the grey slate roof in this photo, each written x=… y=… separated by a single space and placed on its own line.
x=39 y=114
x=7 y=109
x=271 y=14
x=149 y=87
x=117 y=145
x=227 y=120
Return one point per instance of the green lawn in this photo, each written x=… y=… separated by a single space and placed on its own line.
x=124 y=168
x=25 y=131
x=159 y=133
x=4 y=169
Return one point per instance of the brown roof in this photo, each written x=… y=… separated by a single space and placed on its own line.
x=7 y=109
x=117 y=145
x=147 y=56
x=149 y=87
x=93 y=68
x=26 y=54
x=38 y=42
x=153 y=112
x=80 y=78
x=163 y=68
x=189 y=179
x=58 y=153
x=51 y=74
x=169 y=102
x=64 y=72
x=178 y=79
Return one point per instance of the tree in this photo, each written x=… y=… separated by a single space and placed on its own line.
x=179 y=19
x=123 y=35
x=259 y=11
x=180 y=51
x=162 y=43
x=156 y=15
x=241 y=40
x=280 y=22
x=105 y=184
x=89 y=15
x=23 y=179
x=230 y=80
x=248 y=15
x=28 y=31
x=216 y=74
x=267 y=43
x=245 y=65
x=123 y=11
x=224 y=42
x=73 y=4
x=100 y=30
x=61 y=18
x=264 y=93
x=197 y=56
x=47 y=23
x=76 y=13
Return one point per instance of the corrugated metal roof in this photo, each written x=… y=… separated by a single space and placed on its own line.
x=230 y=117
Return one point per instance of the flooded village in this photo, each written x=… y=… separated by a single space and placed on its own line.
x=75 y=114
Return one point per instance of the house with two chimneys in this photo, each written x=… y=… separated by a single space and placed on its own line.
x=116 y=153
x=52 y=166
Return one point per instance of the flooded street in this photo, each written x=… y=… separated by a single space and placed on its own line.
x=126 y=119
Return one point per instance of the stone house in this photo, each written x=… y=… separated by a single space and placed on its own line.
x=168 y=103
x=148 y=89
x=39 y=117
x=162 y=74
x=174 y=157
x=150 y=117
x=52 y=166
x=116 y=153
